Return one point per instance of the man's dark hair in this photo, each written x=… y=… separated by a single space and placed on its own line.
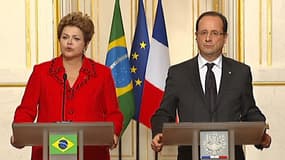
x=213 y=13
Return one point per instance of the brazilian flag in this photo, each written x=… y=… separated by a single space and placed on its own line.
x=60 y=144
x=117 y=59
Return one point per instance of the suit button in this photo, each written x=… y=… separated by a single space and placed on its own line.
x=71 y=111
x=213 y=116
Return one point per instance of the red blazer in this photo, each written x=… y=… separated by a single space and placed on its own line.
x=91 y=99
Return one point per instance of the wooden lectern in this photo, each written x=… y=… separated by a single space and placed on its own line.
x=39 y=134
x=188 y=133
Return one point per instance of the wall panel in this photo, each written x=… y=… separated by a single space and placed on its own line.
x=28 y=37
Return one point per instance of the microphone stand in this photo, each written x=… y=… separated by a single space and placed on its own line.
x=63 y=99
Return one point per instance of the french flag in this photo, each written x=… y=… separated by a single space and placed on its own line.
x=156 y=69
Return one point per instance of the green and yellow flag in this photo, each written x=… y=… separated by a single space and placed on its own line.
x=117 y=59
x=62 y=144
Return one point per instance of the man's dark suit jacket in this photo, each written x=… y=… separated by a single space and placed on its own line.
x=184 y=93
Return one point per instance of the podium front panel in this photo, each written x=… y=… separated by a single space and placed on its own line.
x=94 y=133
x=182 y=133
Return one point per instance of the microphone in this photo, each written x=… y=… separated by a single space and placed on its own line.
x=63 y=98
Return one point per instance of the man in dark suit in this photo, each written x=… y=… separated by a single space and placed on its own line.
x=185 y=88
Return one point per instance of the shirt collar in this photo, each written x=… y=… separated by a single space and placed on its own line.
x=202 y=61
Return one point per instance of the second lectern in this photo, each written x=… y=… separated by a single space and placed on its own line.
x=216 y=140
x=64 y=140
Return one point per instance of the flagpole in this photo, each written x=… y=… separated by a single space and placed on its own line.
x=156 y=156
x=120 y=149
x=138 y=140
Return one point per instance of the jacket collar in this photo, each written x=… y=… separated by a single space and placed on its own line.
x=57 y=70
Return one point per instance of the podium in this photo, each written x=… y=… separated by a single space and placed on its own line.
x=188 y=133
x=64 y=135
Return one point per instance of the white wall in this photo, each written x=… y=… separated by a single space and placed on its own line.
x=27 y=38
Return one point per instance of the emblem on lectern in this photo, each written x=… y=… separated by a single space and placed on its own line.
x=213 y=144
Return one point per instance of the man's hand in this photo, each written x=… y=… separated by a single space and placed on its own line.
x=156 y=143
x=266 y=141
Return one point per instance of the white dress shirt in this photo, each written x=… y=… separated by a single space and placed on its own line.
x=217 y=69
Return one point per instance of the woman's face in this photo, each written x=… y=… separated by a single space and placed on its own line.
x=72 y=43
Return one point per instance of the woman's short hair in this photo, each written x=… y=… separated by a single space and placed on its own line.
x=80 y=20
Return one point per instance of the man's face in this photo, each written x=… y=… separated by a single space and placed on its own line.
x=210 y=37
